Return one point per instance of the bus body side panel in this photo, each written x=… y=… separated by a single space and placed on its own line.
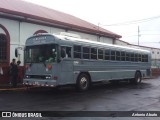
x=109 y=70
x=66 y=72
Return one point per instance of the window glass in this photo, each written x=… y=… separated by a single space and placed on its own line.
x=139 y=57
x=107 y=54
x=86 y=51
x=136 y=57
x=93 y=53
x=77 y=51
x=113 y=55
x=127 y=56
x=132 y=57
x=123 y=56
x=118 y=56
x=100 y=54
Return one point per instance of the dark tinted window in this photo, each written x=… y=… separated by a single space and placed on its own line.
x=100 y=54
x=93 y=53
x=77 y=51
x=113 y=55
x=86 y=51
x=107 y=54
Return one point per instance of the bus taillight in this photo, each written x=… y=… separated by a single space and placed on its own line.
x=55 y=77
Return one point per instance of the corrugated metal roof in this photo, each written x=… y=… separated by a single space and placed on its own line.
x=29 y=10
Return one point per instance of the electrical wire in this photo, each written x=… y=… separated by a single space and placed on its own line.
x=132 y=22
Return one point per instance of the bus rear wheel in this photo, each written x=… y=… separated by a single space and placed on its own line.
x=83 y=82
x=138 y=78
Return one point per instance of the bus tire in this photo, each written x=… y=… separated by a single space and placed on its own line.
x=138 y=78
x=83 y=82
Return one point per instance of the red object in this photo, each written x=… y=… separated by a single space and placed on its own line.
x=49 y=67
x=55 y=77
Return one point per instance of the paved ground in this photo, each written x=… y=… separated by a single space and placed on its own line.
x=106 y=97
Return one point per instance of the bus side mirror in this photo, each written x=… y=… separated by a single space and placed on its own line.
x=16 y=52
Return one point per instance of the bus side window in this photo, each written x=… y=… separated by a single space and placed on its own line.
x=123 y=56
x=100 y=54
x=113 y=55
x=132 y=57
x=107 y=54
x=77 y=51
x=128 y=56
x=86 y=51
x=68 y=52
x=63 y=51
x=93 y=53
x=118 y=56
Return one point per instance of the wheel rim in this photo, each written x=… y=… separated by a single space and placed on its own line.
x=138 y=79
x=84 y=83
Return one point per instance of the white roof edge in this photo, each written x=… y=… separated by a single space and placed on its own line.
x=89 y=41
x=98 y=43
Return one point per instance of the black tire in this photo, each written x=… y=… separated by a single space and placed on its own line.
x=83 y=82
x=137 y=80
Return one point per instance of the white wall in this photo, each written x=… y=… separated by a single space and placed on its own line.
x=118 y=42
x=106 y=40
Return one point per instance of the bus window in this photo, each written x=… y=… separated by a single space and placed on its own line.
x=77 y=51
x=107 y=54
x=136 y=57
x=68 y=52
x=113 y=55
x=86 y=51
x=123 y=56
x=132 y=57
x=144 y=58
x=139 y=57
x=100 y=54
x=63 y=51
x=127 y=56
x=93 y=53
x=118 y=57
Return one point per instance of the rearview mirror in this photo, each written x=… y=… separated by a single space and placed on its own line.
x=16 y=52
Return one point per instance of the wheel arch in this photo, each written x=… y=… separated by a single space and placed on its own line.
x=138 y=71
x=87 y=73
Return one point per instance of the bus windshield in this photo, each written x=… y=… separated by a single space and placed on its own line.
x=41 y=53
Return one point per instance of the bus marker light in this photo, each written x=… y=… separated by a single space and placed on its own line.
x=55 y=77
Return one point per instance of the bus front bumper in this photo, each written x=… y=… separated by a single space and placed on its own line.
x=35 y=82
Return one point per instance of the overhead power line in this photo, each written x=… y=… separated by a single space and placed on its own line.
x=133 y=22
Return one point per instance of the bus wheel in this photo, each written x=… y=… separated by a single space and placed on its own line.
x=83 y=82
x=137 y=79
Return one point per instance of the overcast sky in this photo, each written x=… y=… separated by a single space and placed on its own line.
x=107 y=13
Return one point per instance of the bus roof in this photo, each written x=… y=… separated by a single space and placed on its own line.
x=67 y=38
x=97 y=43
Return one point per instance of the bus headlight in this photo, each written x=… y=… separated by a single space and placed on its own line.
x=27 y=76
x=48 y=77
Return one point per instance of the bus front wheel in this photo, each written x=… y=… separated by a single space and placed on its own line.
x=83 y=82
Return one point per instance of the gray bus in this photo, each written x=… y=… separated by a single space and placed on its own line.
x=55 y=60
